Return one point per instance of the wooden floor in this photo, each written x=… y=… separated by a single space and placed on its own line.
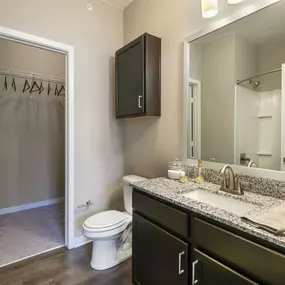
x=63 y=267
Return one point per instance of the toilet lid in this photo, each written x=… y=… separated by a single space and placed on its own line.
x=106 y=220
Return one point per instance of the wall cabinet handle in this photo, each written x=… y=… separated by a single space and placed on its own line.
x=180 y=271
x=194 y=280
x=139 y=101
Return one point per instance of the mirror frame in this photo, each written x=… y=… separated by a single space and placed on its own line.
x=255 y=7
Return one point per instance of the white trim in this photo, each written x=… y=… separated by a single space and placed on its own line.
x=256 y=6
x=186 y=73
x=235 y=128
x=29 y=206
x=69 y=117
x=197 y=87
x=283 y=118
x=80 y=241
x=33 y=255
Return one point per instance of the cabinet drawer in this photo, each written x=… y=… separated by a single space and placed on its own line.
x=207 y=271
x=256 y=260
x=162 y=214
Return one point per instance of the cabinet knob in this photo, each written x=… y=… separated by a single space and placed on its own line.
x=284 y=159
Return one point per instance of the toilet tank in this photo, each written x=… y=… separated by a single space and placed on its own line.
x=128 y=191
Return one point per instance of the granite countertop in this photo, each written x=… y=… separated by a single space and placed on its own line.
x=171 y=190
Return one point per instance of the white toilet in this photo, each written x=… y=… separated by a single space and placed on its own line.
x=111 y=231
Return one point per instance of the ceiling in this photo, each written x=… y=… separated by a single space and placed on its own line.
x=121 y=4
x=262 y=27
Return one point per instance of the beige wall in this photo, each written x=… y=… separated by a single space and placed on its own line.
x=246 y=58
x=18 y=186
x=150 y=144
x=20 y=57
x=271 y=56
x=95 y=36
x=217 y=132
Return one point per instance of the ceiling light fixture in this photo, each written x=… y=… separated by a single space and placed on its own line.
x=209 y=8
x=234 y=1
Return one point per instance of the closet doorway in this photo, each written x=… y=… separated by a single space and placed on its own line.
x=36 y=146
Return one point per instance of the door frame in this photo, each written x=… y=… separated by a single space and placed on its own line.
x=68 y=51
x=196 y=85
x=282 y=117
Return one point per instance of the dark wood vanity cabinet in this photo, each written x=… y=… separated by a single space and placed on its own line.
x=138 y=78
x=158 y=256
x=160 y=247
x=172 y=245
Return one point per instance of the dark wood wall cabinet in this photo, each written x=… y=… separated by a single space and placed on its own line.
x=138 y=83
x=172 y=245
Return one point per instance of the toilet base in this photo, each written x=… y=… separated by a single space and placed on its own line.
x=107 y=254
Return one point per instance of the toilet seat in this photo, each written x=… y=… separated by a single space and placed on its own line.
x=106 y=221
x=106 y=224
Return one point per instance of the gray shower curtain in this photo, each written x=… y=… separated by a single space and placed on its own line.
x=32 y=145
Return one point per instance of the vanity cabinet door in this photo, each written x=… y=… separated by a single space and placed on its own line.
x=158 y=257
x=207 y=271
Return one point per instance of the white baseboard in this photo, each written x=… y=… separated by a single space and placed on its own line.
x=29 y=206
x=80 y=241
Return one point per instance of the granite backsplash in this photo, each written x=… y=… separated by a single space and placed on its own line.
x=266 y=187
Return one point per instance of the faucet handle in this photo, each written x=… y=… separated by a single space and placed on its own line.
x=239 y=188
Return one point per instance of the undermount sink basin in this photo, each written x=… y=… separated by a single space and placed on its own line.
x=228 y=204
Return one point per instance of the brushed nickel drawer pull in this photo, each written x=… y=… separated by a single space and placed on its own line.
x=139 y=101
x=180 y=271
x=194 y=280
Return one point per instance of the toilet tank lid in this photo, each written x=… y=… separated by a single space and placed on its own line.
x=129 y=179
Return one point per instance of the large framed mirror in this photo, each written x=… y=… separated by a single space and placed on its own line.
x=235 y=93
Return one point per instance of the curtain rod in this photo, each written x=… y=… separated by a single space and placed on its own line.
x=35 y=76
x=261 y=74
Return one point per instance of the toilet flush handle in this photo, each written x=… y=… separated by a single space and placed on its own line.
x=87 y=204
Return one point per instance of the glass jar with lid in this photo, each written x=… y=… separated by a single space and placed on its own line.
x=175 y=165
x=175 y=169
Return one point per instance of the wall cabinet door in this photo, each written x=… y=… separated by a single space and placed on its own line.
x=130 y=79
x=207 y=271
x=138 y=78
x=158 y=257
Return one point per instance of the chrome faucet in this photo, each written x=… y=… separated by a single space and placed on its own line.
x=229 y=184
